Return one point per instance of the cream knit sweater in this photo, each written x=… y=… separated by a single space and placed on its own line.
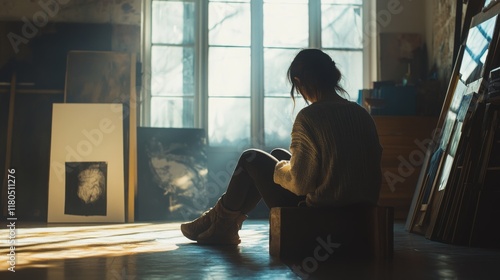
x=335 y=156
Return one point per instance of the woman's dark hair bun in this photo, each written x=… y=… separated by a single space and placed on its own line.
x=317 y=72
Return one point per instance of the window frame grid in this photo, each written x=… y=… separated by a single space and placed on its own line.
x=257 y=91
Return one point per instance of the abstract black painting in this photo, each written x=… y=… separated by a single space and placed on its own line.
x=86 y=189
x=172 y=173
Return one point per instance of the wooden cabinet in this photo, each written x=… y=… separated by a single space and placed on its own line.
x=404 y=140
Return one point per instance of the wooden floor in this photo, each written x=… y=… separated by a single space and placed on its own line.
x=159 y=251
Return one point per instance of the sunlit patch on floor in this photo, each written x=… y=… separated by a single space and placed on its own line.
x=45 y=246
x=38 y=247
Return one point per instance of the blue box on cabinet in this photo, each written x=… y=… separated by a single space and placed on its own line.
x=392 y=101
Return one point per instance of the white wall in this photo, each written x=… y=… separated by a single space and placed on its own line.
x=402 y=16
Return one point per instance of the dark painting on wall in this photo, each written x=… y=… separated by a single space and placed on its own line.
x=172 y=173
x=86 y=189
x=42 y=59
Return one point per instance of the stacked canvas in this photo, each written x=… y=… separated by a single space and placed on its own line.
x=456 y=200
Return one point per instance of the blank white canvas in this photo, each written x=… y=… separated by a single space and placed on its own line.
x=87 y=133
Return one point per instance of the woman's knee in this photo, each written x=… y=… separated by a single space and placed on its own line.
x=256 y=155
x=281 y=154
x=251 y=154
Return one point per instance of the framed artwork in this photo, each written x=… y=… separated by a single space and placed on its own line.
x=109 y=77
x=86 y=182
x=172 y=174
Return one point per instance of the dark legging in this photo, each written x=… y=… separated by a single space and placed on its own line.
x=252 y=181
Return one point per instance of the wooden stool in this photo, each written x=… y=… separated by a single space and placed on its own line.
x=361 y=231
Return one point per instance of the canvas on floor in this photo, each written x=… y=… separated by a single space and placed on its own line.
x=172 y=174
x=86 y=181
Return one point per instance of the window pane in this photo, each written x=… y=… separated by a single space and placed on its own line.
x=286 y=25
x=244 y=1
x=229 y=72
x=276 y=63
x=229 y=24
x=286 y=30
x=229 y=121
x=286 y=1
x=172 y=71
x=358 y=2
x=279 y=115
x=350 y=64
x=173 y=22
x=172 y=112
x=341 y=26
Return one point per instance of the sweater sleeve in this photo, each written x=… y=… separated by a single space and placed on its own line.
x=299 y=175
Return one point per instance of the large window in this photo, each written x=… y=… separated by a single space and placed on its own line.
x=221 y=64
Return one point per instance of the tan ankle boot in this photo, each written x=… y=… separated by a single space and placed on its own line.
x=224 y=230
x=192 y=229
